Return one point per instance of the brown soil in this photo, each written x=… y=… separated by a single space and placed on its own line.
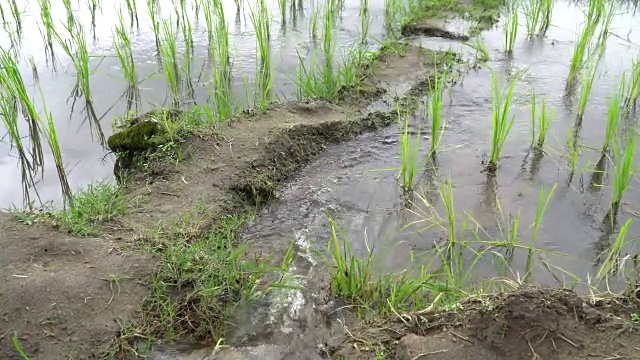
x=529 y=323
x=57 y=296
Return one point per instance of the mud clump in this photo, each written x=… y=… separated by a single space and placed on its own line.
x=529 y=323
x=442 y=28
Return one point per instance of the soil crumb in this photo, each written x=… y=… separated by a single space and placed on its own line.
x=64 y=297
x=530 y=323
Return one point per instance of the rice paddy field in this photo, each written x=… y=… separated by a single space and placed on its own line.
x=514 y=164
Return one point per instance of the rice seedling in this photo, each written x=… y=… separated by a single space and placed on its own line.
x=188 y=38
x=532 y=10
x=510 y=28
x=207 y=7
x=624 y=170
x=545 y=21
x=124 y=52
x=70 y=13
x=168 y=58
x=365 y=21
x=93 y=5
x=13 y=86
x=610 y=264
x=51 y=136
x=435 y=110
x=282 y=5
x=15 y=13
x=152 y=11
x=313 y=24
x=543 y=203
x=47 y=22
x=501 y=125
x=478 y=44
x=633 y=88
x=540 y=122
x=586 y=84
x=574 y=150
x=584 y=39
x=221 y=93
x=133 y=12
x=18 y=346
x=409 y=148
x=76 y=49
x=261 y=21
x=613 y=116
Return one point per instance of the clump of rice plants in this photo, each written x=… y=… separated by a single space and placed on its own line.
x=313 y=24
x=93 y=6
x=610 y=264
x=585 y=37
x=15 y=13
x=70 y=13
x=124 y=52
x=221 y=93
x=47 y=23
x=543 y=203
x=76 y=48
x=133 y=12
x=624 y=169
x=188 y=38
x=532 y=10
x=613 y=116
x=409 y=148
x=501 y=124
x=261 y=21
x=540 y=119
x=282 y=5
x=585 y=88
x=169 y=61
x=545 y=21
x=633 y=87
x=435 y=110
x=365 y=21
x=510 y=29
x=152 y=10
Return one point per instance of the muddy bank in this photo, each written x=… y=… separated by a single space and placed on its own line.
x=528 y=323
x=69 y=296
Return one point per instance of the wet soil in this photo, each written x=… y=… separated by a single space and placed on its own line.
x=68 y=297
x=529 y=323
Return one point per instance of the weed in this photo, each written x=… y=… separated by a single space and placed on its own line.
x=501 y=124
x=18 y=347
x=92 y=205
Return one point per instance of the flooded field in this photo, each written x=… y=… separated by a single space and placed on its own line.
x=552 y=202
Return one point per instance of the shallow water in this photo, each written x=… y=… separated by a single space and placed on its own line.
x=353 y=181
x=86 y=160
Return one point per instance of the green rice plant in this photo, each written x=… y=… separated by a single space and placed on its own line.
x=624 y=169
x=93 y=6
x=532 y=10
x=313 y=24
x=409 y=149
x=133 y=12
x=540 y=122
x=221 y=94
x=501 y=124
x=76 y=48
x=188 y=38
x=261 y=21
x=478 y=44
x=586 y=85
x=13 y=87
x=124 y=52
x=435 y=109
x=610 y=264
x=2 y=15
x=282 y=5
x=584 y=39
x=51 y=136
x=574 y=151
x=152 y=11
x=633 y=88
x=168 y=58
x=70 y=13
x=365 y=21
x=207 y=8
x=613 y=116
x=510 y=28
x=545 y=21
x=543 y=203
x=47 y=22
x=15 y=13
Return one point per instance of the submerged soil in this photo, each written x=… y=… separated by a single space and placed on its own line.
x=67 y=297
x=529 y=323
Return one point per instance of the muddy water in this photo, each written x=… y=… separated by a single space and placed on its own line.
x=86 y=160
x=353 y=182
